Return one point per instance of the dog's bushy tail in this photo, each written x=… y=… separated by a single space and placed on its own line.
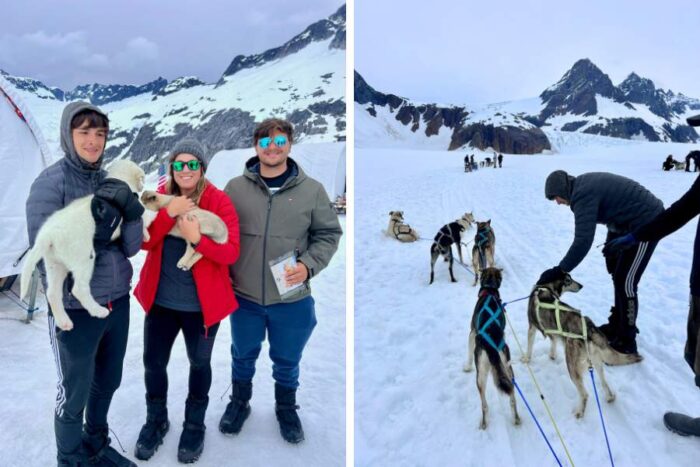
x=609 y=355
x=501 y=377
x=33 y=257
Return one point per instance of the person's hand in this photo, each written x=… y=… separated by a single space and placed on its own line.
x=180 y=205
x=107 y=218
x=619 y=244
x=189 y=227
x=296 y=275
x=120 y=195
x=551 y=275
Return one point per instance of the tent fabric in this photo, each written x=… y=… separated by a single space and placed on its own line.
x=324 y=162
x=23 y=155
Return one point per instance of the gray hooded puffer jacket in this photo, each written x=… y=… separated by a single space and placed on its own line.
x=64 y=181
x=601 y=198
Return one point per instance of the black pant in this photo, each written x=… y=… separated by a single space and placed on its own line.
x=627 y=268
x=89 y=362
x=161 y=328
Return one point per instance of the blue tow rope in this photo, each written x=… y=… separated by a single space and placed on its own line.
x=602 y=421
x=536 y=422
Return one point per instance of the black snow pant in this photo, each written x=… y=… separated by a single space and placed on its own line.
x=626 y=268
x=89 y=361
x=162 y=326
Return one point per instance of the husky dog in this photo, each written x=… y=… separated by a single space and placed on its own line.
x=484 y=248
x=446 y=236
x=210 y=225
x=487 y=344
x=582 y=339
x=400 y=231
x=64 y=242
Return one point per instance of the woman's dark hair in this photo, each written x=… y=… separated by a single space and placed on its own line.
x=266 y=127
x=94 y=119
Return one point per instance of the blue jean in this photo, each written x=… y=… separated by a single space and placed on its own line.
x=288 y=326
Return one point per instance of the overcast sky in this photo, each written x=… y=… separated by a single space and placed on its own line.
x=70 y=42
x=490 y=51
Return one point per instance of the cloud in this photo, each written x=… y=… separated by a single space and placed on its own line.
x=70 y=57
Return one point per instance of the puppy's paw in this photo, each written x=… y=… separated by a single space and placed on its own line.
x=64 y=324
x=468 y=367
x=610 y=397
x=552 y=356
x=99 y=312
x=578 y=413
x=525 y=359
x=182 y=264
x=517 y=420
x=483 y=425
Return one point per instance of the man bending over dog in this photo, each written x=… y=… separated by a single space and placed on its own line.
x=622 y=205
x=89 y=358
x=672 y=219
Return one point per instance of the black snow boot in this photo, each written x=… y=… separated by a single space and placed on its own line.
x=682 y=424
x=238 y=409
x=286 y=410
x=610 y=327
x=97 y=446
x=154 y=430
x=192 y=438
x=79 y=459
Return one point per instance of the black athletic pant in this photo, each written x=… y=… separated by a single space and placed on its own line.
x=627 y=268
x=89 y=361
x=161 y=328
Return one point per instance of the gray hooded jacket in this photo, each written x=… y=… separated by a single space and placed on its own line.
x=59 y=184
x=601 y=198
x=297 y=217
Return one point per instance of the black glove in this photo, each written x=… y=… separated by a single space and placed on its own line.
x=551 y=275
x=107 y=218
x=120 y=195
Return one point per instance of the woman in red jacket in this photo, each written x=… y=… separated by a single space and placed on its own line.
x=193 y=302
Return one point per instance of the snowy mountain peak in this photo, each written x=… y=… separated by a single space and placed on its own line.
x=33 y=86
x=331 y=27
x=575 y=92
x=99 y=94
x=183 y=82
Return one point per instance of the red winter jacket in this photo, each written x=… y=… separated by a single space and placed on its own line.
x=211 y=276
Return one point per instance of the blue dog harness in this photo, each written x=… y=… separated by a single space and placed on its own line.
x=491 y=314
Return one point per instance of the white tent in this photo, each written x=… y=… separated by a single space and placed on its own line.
x=323 y=161
x=23 y=155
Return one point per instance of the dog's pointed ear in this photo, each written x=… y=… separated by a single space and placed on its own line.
x=391 y=213
x=488 y=222
x=401 y=212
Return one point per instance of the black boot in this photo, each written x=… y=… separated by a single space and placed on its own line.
x=286 y=410
x=625 y=339
x=79 y=459
x=153 y=432
x=610 y=327
x=682 y=424
x=96 y=444
x=192 y=439
x=238 y=409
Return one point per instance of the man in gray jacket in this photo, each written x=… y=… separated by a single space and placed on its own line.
x=281 y=211
x=89 y=358
x=622 y=205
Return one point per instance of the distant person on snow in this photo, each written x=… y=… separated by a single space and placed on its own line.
x=688 y=158
x=623 y=205
x=500 y=161
x=467 y=164
x=668 y=163
x=670 y=220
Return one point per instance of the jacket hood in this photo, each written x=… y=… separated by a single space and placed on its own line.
x=70 y=111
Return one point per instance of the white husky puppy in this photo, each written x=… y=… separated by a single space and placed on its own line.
x=64 y=242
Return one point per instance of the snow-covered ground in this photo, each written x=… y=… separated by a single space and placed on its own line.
x=28 y=390
x=414 y=406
